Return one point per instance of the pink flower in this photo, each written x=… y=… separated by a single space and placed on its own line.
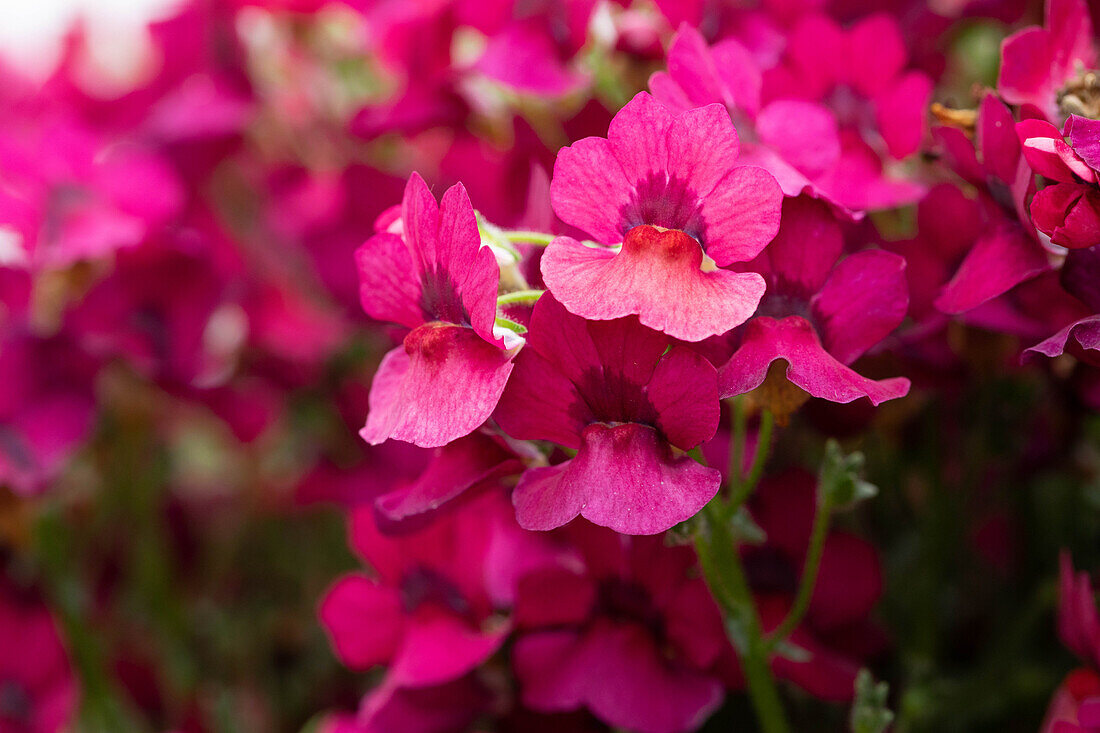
x=430 y=273
x=797 y=140
x=46 y=408
x=819 y=315
x=631 y=635
x=1069 y=210
x=38 y=692
x=1075 y=707
x=69 y=195
x=609 y=390
x=667 y=186
x=859 y=73
x=1080 y=278
x=1036 y=63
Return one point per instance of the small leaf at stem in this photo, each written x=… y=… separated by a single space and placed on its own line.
x=839 y=482
x=869 y=711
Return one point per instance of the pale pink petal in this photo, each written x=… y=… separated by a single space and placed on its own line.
x=440 y=385
x=638 y=137
x=1086 y=332
x=656 y=276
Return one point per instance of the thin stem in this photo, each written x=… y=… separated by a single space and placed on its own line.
x=520 y=296
x=744 y=488
x=809 y=574
x=721 y=564
x=537 y=238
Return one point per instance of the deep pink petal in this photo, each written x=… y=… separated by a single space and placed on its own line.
x=656 y=276
x=865 y=299
x=589 y=189
x=702 y=148
x=684 y=391
x=440 y=385
x=456 y=467
x=997 y=138
x=623 y=477
x=804 y=251
x=541 y=403
x=741 y=215
x=1026 y=58
x=554 y=597
x=805 y=134
x=1084 y=136
x=875 y=54
x=1000 y=260
x=522 y=56
x=849 y=582
x=638 y=138
x=387 y=291
x=1086 y=332
x=900 y=113
x=364 y=621
x=809 y=365
x=442 y=648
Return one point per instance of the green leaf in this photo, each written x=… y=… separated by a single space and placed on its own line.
x=839 y=481
x=869 y=711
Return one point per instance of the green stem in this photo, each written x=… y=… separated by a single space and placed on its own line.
x=520 y=296
x=538 y=238
x=721 y=564
x=809 y=574
x=743 y=489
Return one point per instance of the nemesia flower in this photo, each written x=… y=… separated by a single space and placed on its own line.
x=1068 y=210
x=819 y=315
x=1080 y=277
x=859 y=73
x=609 y=390
x=668 y=188
x=1037 y=63
x=632 y=635
x=446 y=378
x=46 y=408
x=38 y=691
x=426 y=611
x=796 y=140
x=1075 y=706
x=1006 y=252
x=69 y=195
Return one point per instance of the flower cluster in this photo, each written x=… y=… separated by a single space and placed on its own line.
x=560 y=308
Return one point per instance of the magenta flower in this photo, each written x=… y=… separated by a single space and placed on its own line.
x=859 y=73
x=668 y=188
x=1037 y=63
x=608 y=390
x=1080 y=277
x=434 y=277
x=1075 y=707
x=632 y=636
x=69 y=195
x=1068 y=211
x=1005 y=252
x=426 y=611
x=798 y=141
x=819 y=315
x=38 y=691
x=46 y=408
